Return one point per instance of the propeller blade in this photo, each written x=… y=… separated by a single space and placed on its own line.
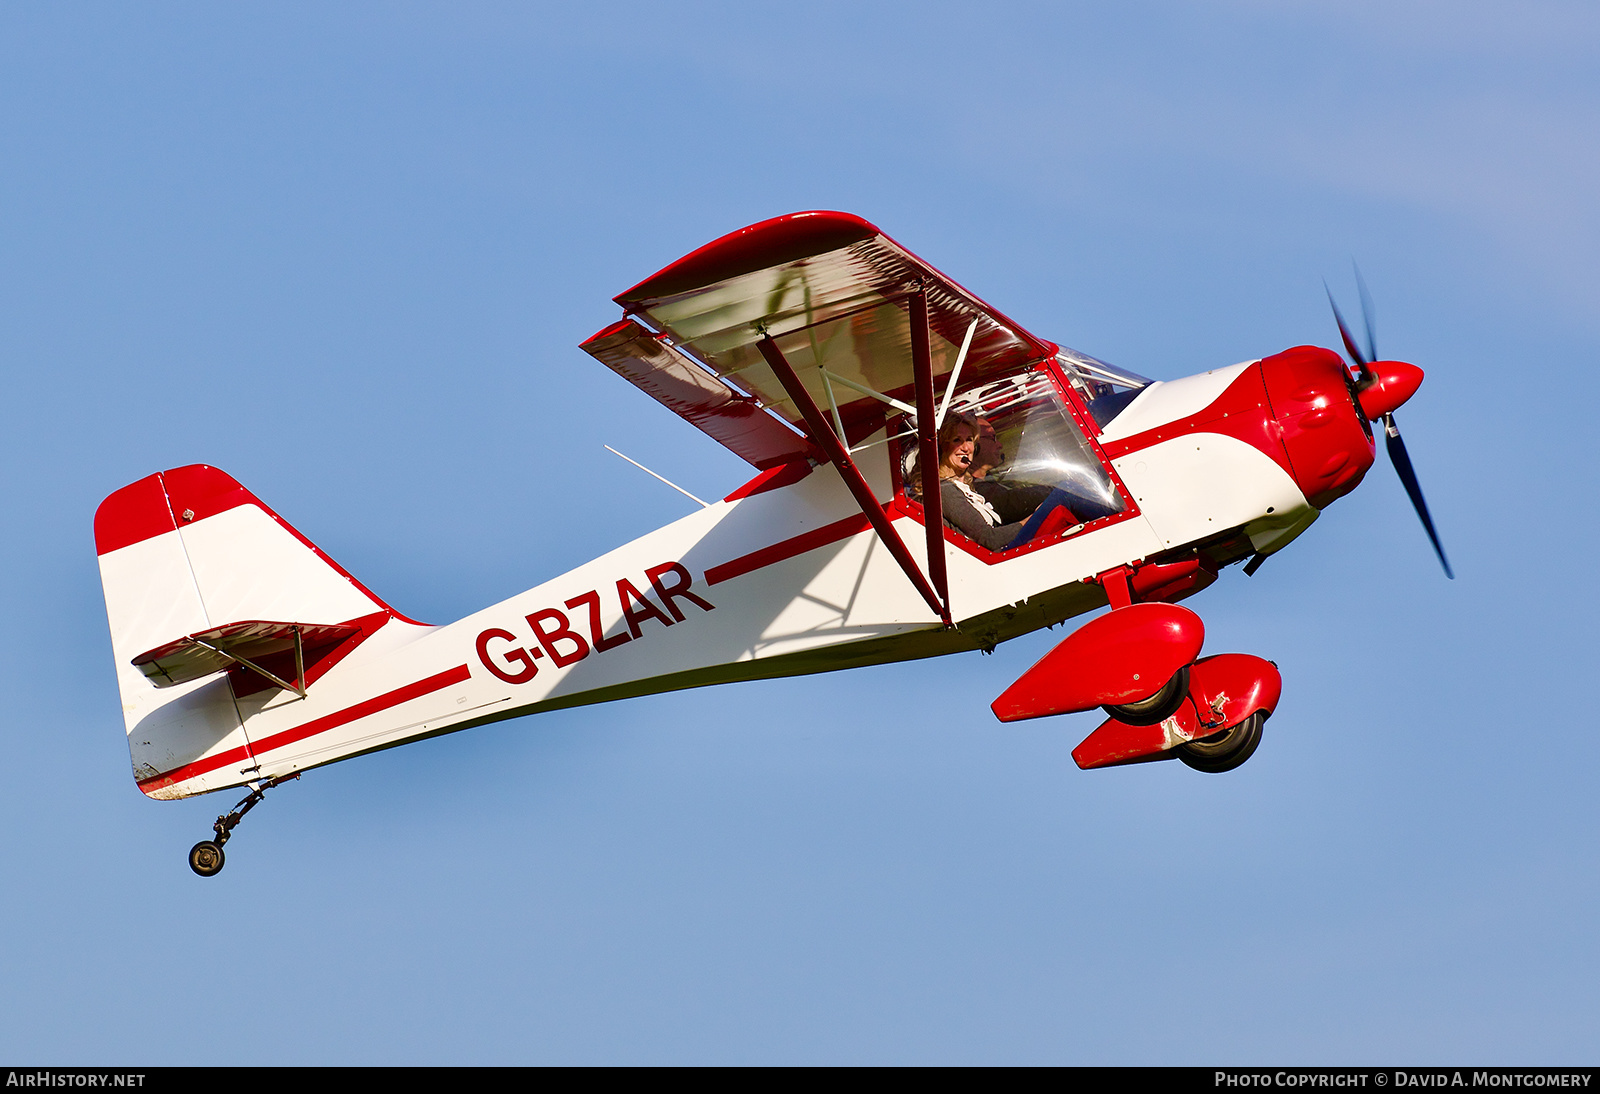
x=1362 y=362
x=1350 y=346
x=1367 y=313
x=1408 y=478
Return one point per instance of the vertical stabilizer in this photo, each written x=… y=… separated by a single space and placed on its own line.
x=183 y=552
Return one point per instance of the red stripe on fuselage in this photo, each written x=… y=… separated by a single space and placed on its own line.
x=796 y=545
x=1242 y=412
x=311 y=728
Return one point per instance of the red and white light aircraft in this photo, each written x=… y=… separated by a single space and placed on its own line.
x=829 y=357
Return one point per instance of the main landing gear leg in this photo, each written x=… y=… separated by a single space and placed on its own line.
x=206 y=857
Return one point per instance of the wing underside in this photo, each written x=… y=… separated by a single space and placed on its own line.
x=807 y=333
x=833 y=294
x=687 y=389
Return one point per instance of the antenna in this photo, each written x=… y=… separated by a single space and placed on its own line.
x=669 y=482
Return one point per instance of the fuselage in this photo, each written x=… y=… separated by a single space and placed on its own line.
x=783 y=577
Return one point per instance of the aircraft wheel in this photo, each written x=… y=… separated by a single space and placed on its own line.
x=1226 y=750
x=1159 y=707
x=205 y=858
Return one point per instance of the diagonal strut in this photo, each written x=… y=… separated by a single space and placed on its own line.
x=833 y=446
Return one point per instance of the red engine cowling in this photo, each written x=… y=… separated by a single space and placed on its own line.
x=1329 y=446
x=1224 y=690
x=1124 y=657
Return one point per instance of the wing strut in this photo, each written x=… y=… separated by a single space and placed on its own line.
x=839 y=456
x=928 y=447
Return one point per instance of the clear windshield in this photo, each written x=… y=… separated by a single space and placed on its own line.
x=1105 y=389
x=1029 y=451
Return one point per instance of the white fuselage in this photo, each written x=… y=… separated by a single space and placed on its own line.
x=760 y=588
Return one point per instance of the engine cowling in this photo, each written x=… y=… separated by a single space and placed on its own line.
x=1328 y=442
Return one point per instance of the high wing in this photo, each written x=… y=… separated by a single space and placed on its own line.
x=810 y=311
x=833 y=293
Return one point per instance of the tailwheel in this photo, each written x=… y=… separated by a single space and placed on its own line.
x=206 y=858
x=1226 y=749
x=1159 y=707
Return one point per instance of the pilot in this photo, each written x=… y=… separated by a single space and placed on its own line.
x=1011 y=502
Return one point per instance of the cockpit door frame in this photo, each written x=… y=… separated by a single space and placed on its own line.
x=1089 y=427
x=906 y=506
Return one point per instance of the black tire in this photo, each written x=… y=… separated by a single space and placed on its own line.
x=206 y=858
x=1227 y=749
x=1159 y=707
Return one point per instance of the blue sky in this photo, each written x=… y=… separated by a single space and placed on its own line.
x=347 y=254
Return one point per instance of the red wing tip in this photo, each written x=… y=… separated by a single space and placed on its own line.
x=604 y=332
x=757 y=247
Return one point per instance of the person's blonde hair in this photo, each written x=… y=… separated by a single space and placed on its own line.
x=947 y=431
x=945 y=439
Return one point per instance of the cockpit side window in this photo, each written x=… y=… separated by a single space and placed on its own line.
x=1015 y=467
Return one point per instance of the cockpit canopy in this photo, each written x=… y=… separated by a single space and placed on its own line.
x=1029 y=448
x=1105 y=389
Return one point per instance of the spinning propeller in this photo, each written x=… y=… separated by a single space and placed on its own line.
x=1377 y=394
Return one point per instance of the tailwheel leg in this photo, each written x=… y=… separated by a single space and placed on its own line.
x=206 y=857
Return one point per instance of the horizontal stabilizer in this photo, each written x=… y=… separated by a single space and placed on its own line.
x=221 y=648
